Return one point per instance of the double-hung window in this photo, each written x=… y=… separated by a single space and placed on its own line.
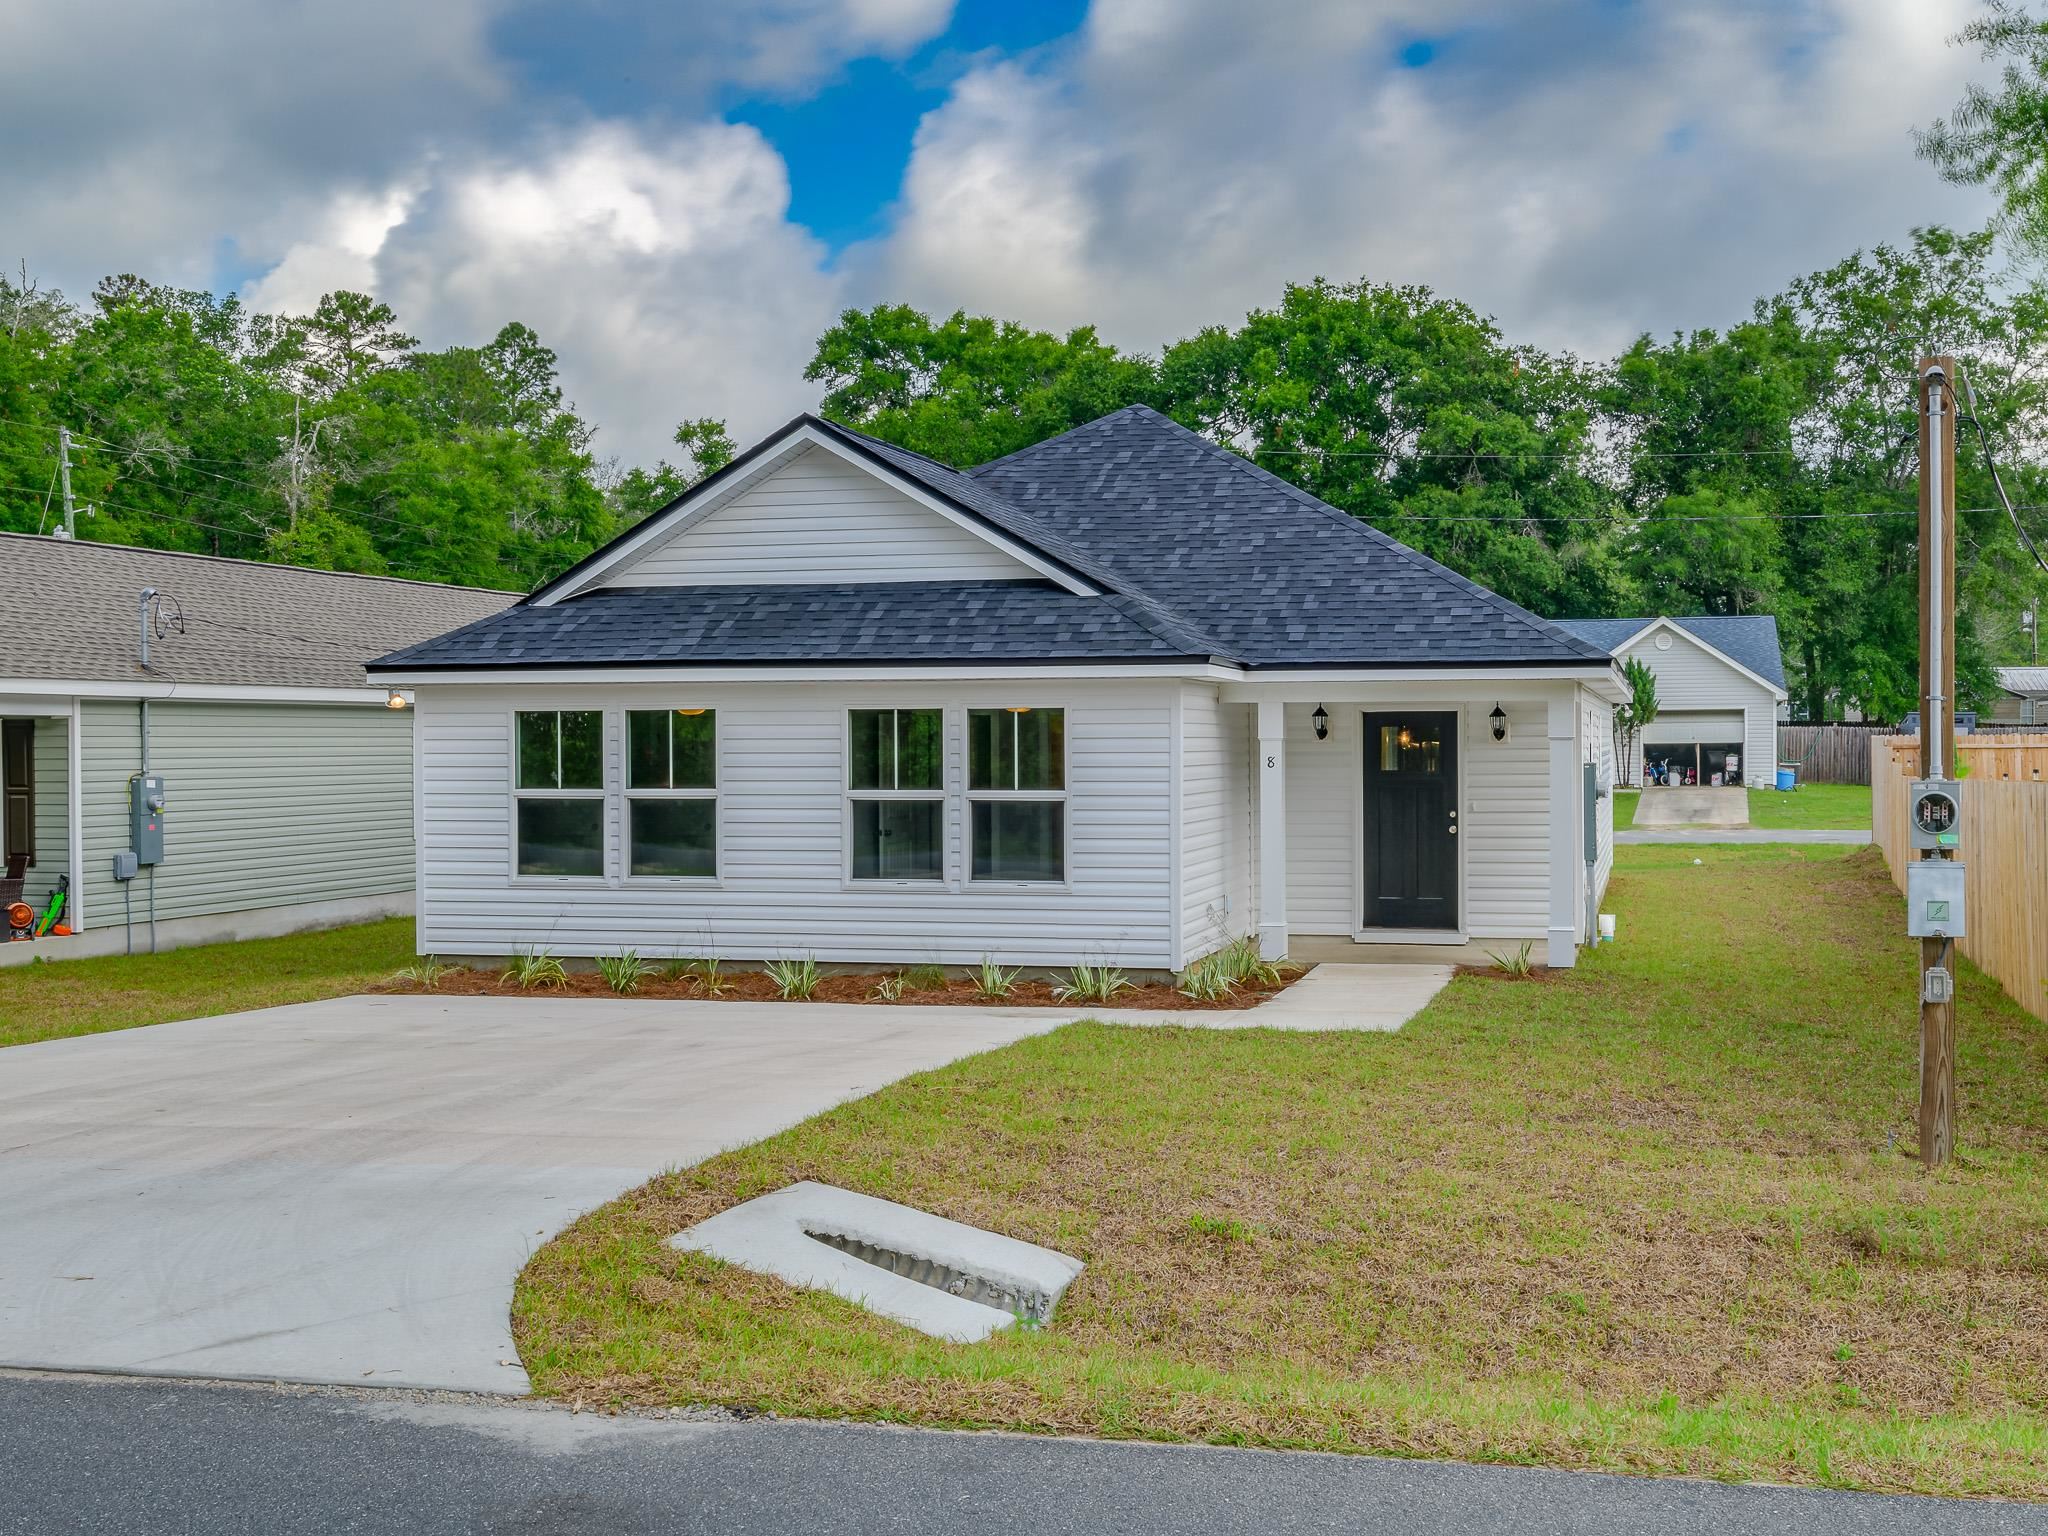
x=560 y=811
x=1016 y=793
x=672 y=793
x=896 y=794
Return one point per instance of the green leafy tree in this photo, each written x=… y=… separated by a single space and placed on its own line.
x=969 y=389
x=1998 y=136
x=1411 y=412
x=638 y=493
x=1634 y=714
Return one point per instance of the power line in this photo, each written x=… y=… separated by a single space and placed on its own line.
x=1998 y=484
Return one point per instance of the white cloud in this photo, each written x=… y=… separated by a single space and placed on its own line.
x=661 y=266
x=1181 y=162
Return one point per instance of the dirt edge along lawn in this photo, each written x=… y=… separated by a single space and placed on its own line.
x=1651 y=1215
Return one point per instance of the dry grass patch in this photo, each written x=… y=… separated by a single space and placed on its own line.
x=1652 y=1214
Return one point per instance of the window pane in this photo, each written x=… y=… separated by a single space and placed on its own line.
x=696 y=738
x=1019 y=840
x=898 y=839
x=872 y=763
x=674 y=837
x=920 y=748
x=1041 y=749
x=647 y=749
x=582 y=749
x=990 y=762
x=561 y=837
x=537 y=751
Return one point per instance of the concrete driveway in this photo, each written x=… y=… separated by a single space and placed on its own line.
x=1668 y=806
x=345 y=1191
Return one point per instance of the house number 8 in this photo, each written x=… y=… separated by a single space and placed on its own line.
x=1272 y=762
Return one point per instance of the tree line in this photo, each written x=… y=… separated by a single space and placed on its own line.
x=1766 y=467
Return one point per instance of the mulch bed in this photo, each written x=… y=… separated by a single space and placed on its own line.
x=757 y=987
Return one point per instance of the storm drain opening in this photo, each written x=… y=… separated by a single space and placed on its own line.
x=939 y=1276
x=1016 y=1300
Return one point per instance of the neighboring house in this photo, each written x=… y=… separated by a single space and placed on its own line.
x=288 y=780
x=2022 y=697
x=1119 y=697
x=1720 y=690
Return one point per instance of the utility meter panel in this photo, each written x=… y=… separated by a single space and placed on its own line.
x=1934 y=899
x=146 y=817
x=1934 y=813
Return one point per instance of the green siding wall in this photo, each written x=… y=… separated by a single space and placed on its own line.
x=268 y=805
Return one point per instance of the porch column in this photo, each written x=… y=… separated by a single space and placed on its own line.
x=1565 y=849
x=1272 y=770
x=74 y=813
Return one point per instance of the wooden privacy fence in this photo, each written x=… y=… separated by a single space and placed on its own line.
x=2004 y=848
x=1829 y=754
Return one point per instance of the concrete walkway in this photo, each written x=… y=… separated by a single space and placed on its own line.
x=345 y=1191
x=1810 y=835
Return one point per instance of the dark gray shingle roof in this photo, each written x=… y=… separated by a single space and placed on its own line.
x=912 y=622
x=68 y=613
x=1751 y=639
x=1278 y=577
x=1199 y=552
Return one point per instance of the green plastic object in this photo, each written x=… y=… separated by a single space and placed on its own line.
x=55 y=909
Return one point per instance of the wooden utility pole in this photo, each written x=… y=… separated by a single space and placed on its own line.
x=64 y=471
x=1937 y=733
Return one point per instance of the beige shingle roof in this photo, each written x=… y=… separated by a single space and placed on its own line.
x=68 y=613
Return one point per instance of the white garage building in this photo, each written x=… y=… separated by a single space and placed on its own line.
x=1720 y=685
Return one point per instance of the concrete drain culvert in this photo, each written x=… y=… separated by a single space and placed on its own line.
x=940 y=1277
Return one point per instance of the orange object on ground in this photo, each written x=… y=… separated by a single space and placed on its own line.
x=59 y=931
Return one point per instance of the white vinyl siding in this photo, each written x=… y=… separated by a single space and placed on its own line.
x=1216 y=815
x=1325 y=787
x=1507 y=822
x=819 y=519
x=1697 y=691
x=265 y=805
x=1599 y=727
x=782 y=889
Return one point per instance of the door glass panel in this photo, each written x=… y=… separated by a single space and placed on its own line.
x=1411 y=749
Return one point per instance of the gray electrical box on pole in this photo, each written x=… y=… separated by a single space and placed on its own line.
x=1934 y=816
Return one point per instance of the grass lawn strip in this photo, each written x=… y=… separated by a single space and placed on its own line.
x=1813 y=807
x=1651 y=1215
x=87 y=997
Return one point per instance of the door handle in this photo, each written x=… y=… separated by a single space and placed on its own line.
x=1454 y=830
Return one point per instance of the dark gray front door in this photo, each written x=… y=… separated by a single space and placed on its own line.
x=1411 y=821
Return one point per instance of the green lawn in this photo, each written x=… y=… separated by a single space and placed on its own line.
x=1654 y=1214
x=85 y=997
x=1811 y=806
x=1844 y=807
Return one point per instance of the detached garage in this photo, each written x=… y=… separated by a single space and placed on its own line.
x=1720 y=684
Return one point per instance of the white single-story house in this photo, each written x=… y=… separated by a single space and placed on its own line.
x=2022 y=697
x=1120 y=698
x=1720 y=691
x=286 y=778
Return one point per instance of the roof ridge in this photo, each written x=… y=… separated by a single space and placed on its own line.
x=41 y=539
x=1135 y=408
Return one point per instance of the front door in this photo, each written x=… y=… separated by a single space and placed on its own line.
x=1411 y=821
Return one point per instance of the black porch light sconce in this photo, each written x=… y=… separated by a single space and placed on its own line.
x=1499 y=721
x=1321 y=720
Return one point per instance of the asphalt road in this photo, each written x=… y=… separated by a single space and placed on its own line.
x=164 y=1458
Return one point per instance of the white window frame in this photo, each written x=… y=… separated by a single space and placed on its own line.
x=628 y=794
x=971 y=796
x=851 y=796
x=601 y=794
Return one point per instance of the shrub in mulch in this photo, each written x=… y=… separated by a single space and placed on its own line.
x=748 y=986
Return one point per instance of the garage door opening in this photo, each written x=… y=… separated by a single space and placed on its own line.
x=1693 y=763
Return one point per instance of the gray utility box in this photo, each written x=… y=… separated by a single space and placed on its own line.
x=1934 y=899
x=1934 y=813
x=146 y=817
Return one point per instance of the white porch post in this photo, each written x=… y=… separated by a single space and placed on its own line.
x=1565 y=849
x=74 y=813
x=1272 y=768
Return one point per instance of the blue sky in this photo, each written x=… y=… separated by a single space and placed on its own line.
x=680 y=194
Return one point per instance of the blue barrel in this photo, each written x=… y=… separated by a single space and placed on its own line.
x=1787 y=776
